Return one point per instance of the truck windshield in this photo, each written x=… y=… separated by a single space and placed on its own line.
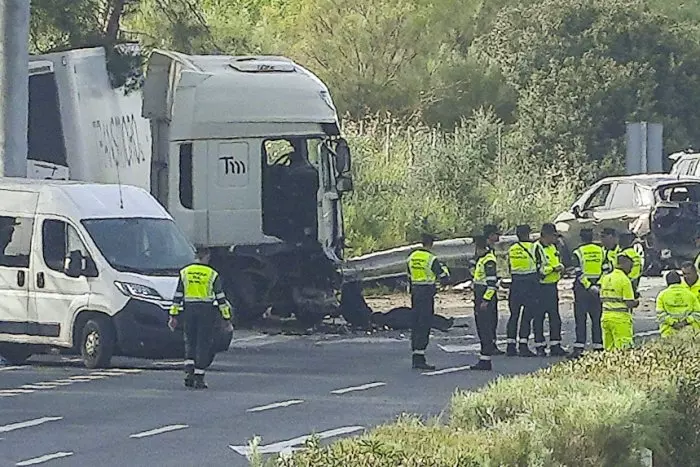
x=141 y=245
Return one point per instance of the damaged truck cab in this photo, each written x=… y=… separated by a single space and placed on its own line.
x=247 y=157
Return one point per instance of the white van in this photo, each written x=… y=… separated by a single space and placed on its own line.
x=88 y=267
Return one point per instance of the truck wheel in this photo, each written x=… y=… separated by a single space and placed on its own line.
x=15 y=354
x=98 y=342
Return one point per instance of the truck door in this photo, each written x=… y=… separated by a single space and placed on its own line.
x=16 y=230
x=54 y=295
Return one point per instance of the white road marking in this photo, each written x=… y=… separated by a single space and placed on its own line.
x=37 y=386
x=128 y=370
x=276 y=405
x=287 y=446
x=361 y=340
x=14 y=392
x=158 y=431
x=107 y=373
x=86 y=378
x=358 y=388
x=10 y=368
x=446 y=370
x=166 y=363
x=260 y=341
x=71 y=360
x=45 y=458
x=53 y=383
x=28 y=423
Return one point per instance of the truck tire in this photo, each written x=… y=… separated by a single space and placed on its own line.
x=97 y=342
x=15 y=354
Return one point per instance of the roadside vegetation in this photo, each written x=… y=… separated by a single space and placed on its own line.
x=608 y=409
x=460 y=112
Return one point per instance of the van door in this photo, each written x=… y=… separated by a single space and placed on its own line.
x=56 y=296
x=15 y=251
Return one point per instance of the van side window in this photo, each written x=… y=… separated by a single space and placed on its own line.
x=15 y=241
x=59 y=239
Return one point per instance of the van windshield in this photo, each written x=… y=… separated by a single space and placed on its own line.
x=141 y=245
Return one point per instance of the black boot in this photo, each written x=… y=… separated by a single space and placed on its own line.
x=541 y=352
x=483 y=365
x=557 y=351
x=511 y=351
x=419 y=363
x=189 y=379
x=199 y=382
x=524 y=351
x=577 y=353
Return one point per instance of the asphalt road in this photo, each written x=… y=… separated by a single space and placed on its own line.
x=282 y=388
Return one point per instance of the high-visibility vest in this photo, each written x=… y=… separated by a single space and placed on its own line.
x=551 y=261
x=591 y=258
x=676 y=304
x=637 y=262
x=420 y=267
x=198 y=287
x=480 y=277
x=611 y=259
x=615 y=290
x=521 y=258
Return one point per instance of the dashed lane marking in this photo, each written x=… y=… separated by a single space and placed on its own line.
x=45 y=385
x=288 y=446
x=276 y=405
x=358 y=388
x=28 y=423
x=446 y=370
x=158 y=431
x=361 y=340
x=10 y=368
x=44 y=458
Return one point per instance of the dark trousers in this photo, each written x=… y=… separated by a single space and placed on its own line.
x=587 y=304
x=486 y=321
x=522 y=302
x=548 y=307
x=423 y=306
x=199 y=326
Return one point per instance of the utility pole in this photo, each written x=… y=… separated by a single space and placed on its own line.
x=14 y=86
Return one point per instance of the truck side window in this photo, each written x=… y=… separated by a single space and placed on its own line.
x=186 y=196
x=15 y=241
x=59 y=239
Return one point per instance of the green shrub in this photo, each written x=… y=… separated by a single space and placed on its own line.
x=602 y=410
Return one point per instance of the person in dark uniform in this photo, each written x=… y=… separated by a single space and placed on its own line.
x=588 y=260
x=425 y=271
x=200 y=301
x=485 y=301
x=493 y=236
x=522 y=299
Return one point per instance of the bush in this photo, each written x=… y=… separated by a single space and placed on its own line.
x=602 y=410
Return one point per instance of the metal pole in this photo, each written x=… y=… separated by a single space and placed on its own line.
x=645 y=150
x=14 y=87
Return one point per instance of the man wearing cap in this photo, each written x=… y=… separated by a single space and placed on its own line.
x=588 y=261
x=609 y=239
x=493 y=236
x=617 y=298
x=551 y=270
x=626 y=248
x=522 y=297
x=200 y=302
x=485 y=300
x=425 y=272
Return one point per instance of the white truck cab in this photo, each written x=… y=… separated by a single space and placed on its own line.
x=88 y=267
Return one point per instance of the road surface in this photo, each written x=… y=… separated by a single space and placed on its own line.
x=54 y=412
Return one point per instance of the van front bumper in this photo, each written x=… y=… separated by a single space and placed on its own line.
x=142 y=331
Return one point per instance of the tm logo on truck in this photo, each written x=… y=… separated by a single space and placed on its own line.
x=232 y=166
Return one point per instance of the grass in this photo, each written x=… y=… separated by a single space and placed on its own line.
x=603 y=410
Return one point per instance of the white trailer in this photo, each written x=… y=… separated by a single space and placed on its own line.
x=244 y=152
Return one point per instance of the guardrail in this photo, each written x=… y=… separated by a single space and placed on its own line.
x=455 y=253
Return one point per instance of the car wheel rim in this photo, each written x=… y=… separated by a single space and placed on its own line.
x=92 y=343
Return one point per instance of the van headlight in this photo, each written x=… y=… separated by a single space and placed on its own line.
x=137 y=290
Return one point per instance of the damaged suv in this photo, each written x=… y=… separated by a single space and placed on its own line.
x=662 y=210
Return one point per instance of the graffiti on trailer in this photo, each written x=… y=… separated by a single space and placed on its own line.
x=118 y=140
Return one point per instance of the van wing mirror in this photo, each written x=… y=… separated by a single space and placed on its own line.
x=576 y=211
x=343 y=159
x=73 y=266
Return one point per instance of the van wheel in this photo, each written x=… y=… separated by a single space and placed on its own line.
x=98 y=342
x=15 y=354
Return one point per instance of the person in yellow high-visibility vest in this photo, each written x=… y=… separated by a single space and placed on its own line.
x=522 y=296
x=197 y=296
x=676 y=306
x=691 y=279
x=425 y=273
x=485 y=301
x=551 y=270
x=626 y=248
x=618 y=301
